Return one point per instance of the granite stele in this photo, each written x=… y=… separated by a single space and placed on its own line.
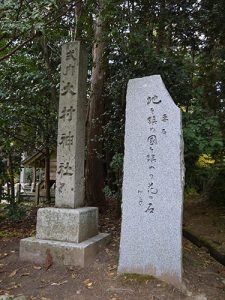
x=68 y=232
x=152 y=201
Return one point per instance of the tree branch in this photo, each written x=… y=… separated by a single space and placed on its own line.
x=8 y=44
x=19 y=10
x=6 y=56
x=18 y=47
x=20 y=139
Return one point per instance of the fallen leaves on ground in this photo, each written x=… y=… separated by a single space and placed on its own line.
x=14 y=286
x=111 y=268
x=37 y=267
x=59 y=283
x=44 y=283
x=88 y=284
x=3 y=255
x=25 y=274
x=74 y=275
x=1 y=268
x=13 y=273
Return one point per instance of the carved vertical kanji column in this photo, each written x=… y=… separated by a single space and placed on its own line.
x=71 y=127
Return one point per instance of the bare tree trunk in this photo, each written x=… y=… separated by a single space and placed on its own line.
x=78 y=25
x=50 y=71
x=188 y=102
x=8 y=187
x=95 y=174
x=54 y=98
x=47 y=176
x=0 y=190
x=161 y=28
x=11 y=178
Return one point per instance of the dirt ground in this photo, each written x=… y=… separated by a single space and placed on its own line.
x=206 y=220
x=204 y=278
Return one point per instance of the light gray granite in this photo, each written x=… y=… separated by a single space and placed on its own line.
x=63 y=253
x=152 y=200
x=71 y=127
x=65 y=224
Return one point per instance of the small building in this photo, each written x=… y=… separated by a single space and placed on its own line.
x=32 y=176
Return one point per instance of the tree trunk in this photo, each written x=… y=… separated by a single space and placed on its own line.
x=54 y=99
x=0 y=190
x=78 y=24
x=34 y=179
x=11 y=179
x=161 y=27
x=8 y=187
x=47 y=176
x=50 y=71
x=95 y=173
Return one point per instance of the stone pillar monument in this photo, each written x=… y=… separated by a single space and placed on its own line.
x=69 y=231
x=71 y=127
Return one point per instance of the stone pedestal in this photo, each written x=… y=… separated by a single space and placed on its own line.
x=63 y=253
x=68 y=225
x=70 y=236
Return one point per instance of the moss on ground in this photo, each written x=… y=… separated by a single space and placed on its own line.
x=137 y=277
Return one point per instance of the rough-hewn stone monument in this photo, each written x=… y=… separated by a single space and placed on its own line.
x=151 y=235
x=68 y=232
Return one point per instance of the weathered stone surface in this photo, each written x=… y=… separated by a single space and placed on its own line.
x=63 y=253
x=65 y=224
x=71 y=127
x=151 y=234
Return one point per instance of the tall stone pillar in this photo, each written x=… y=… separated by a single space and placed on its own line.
x=70 y=230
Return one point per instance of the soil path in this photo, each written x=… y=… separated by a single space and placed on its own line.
x=206 y=220
x=204 y=278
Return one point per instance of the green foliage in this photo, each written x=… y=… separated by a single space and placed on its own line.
x=190 y=191
x=182 y=41
x=117 y=162
x=147 y=38
x=202 y=134
x=113 y=190
x=29 y=77
x=15 y=212
x=215 y=191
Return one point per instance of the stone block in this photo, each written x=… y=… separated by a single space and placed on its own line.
x=63 y=253
x=152 y=196
x=65 y=224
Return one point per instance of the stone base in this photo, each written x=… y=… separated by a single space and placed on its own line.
x=66 y=224
x=63 y=253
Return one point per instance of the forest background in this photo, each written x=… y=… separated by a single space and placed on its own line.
x=183 y=41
